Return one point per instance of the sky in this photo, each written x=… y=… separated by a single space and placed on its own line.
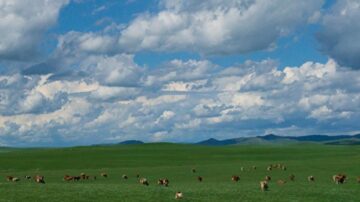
x=80 y=72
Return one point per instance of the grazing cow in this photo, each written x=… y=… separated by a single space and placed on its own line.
x=125 y=177
x=311 y=178
x=15 y=179
x=9 y=178
x=179 y=195
x=193 y=170
x=28 y=177
x=267 y=178
x=269 y=168
x=164 y=182
x=292 y=177
x=144 y=181
x=283 y=167
x=264 y=185
x=39 y=179
x=104 y=175
x=83 y=176
x=281 y=182
x=199 y=178
x=339 y=178
x=235 y=178
x=68 y=178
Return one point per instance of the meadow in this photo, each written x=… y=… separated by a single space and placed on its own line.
x=215 y=164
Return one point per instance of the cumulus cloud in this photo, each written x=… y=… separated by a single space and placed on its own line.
x=177 y=70
x=341 y=32
x=252 y=98
x=213 y=27
x=23 y=23
x=216 y=27
x=117 y=70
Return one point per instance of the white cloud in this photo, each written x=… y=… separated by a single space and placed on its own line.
x=160 y=100
x=340 y=33
x=213 y=28
x=51 y=88
x=177 y=70
x=69 y=114
x=247 y=99
x=117 y=70
x=216 y=27
x=109 y=93
x=23 y=23
x=181 y=86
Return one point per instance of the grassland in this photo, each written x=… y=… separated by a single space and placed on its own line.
x=215 y=164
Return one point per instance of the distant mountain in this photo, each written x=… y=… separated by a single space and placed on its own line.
x=275 y=139
x=127 y=142
x=216 y=142
x=321 y=138
x=130 y=142
x=345 y=142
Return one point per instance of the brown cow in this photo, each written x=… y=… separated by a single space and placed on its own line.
x=267 y=178
x=199 y=178
x=311 y=178
x=39 y=179
x=264 y=185
x=104 y=175
x=68 y=178
x=179 y=195
x=144 y=181
x=339 y=178
x=9 y=178
x=235 y=178
x=292 y=177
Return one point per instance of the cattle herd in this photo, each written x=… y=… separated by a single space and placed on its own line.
x=264 y=184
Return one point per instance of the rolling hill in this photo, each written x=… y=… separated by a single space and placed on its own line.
x=275 y=139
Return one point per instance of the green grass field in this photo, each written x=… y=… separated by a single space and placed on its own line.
x=215 y=164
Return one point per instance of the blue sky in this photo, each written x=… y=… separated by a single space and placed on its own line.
x=76 y=72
